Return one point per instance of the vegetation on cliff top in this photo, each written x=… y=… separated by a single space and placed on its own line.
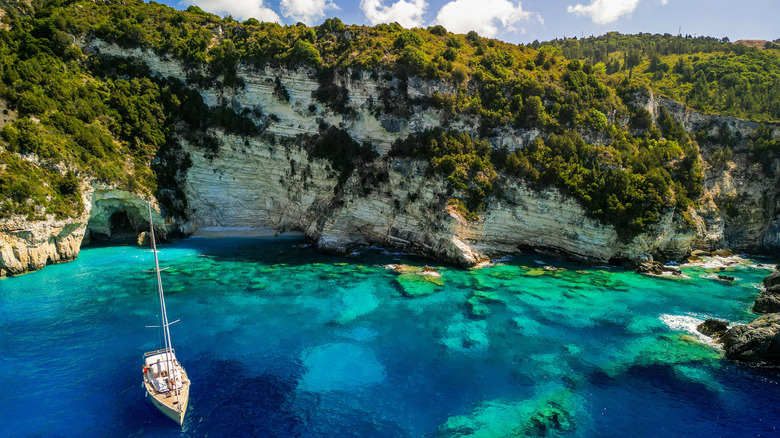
x=707 y=74
x=109 y=119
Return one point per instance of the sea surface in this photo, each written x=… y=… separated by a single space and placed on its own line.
x=281 y=340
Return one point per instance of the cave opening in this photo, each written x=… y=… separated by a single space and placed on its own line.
x=121 y=227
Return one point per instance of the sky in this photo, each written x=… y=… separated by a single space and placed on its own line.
x=523 y=21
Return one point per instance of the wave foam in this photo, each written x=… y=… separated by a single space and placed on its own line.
x=688 y=324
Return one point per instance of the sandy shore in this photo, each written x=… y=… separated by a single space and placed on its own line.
x=242 y=232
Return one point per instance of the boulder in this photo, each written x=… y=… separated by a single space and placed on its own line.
x=656 y=268
x=723 y=253
x=713 y=328
x=143 y=239
x=757 y=341
x=772 y=279
x=769 y=301
x=725 y=278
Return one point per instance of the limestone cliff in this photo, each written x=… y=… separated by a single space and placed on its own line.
x=28 y=245
x=273 y=180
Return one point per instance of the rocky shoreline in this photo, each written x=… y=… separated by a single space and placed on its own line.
x=759 y=340
x=270 y=181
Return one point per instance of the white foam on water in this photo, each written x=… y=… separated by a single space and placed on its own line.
x=481 y=265
x=714 y=276
x=716 y=262
x=688 y=324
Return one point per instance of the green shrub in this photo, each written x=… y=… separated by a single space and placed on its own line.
x=305 y=52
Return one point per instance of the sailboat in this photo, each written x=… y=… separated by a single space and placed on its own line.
x=165 y=380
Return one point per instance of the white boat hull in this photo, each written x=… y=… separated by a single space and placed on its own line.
x=171 y=410
x=172 y=402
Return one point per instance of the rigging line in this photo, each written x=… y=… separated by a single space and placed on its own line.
x=166 y=330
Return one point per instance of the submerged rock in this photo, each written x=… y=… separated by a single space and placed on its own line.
x=414 y=285
x=769 y=301
x=713 y=328
x=415 y=281
x=660 y=350
x=757 y=341
x=477 y=309
x=477 y=303
x=549 y=414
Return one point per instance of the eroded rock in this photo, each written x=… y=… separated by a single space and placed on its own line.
x=713 y=328
x=757 y=341
x=769 y=301
x=772 y=279
x=657 y=268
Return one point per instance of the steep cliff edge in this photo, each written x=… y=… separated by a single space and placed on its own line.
x=257 y=182
x=273 y=178
x=28 y=245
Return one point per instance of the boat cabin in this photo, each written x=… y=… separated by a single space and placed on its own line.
x=163 y=371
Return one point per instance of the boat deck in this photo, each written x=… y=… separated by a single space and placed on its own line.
x=167 y=403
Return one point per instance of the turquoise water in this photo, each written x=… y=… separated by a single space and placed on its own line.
x=281 y=340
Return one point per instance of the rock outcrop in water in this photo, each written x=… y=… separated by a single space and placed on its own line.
x=713 y=328
x=769 y=301
x=759 y=340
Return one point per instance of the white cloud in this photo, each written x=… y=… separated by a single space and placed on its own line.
x=406 y=13
x=483 y=16
x=238 y=9
x=604 y=11
x=306 y=11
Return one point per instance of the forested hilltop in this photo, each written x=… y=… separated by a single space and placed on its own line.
x=72 y=116
x=707 y=74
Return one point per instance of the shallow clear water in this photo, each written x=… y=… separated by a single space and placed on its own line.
x=281 y=340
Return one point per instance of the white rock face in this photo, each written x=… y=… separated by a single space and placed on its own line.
x=254 y=185
x=105 y=201
x=31 y=245
x=256 y=182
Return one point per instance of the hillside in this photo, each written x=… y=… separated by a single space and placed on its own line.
x=710 y=75
x=143 y=99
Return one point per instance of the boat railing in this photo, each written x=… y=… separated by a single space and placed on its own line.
x=160 y=351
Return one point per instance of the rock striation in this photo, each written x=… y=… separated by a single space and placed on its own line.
x=28 y=245
x=272 y=180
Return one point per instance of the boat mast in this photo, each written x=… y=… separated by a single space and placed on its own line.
x=164 y=313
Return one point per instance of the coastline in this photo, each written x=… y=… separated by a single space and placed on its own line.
x=217 y=232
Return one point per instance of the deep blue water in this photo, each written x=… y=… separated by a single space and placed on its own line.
x=281 y=340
